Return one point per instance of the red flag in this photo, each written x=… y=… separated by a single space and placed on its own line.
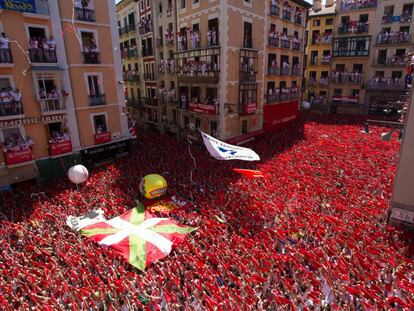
x=251 y=174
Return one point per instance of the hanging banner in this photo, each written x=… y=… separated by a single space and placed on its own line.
x=15 y=157
x=27 y=6
x=276 y=116
x=102 y=138
x=203 y=108
x=250 y=108
x=60 y=147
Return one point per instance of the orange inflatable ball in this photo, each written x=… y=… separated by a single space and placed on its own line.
x=153 y=186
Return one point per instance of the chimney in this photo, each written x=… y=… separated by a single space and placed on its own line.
x=317 y=5
x=329 y=3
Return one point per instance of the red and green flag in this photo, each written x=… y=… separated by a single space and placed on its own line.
x=137 y=235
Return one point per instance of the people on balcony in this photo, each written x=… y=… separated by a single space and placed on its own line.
x=198 y=68
x=398 y=60
x=387 y=18
x=353 y=77
x=381 y=81
x=323 y=81
x=182 y=42
x=169 y=36
x=318 y=100
x=10 y=101
x=274 y=37
x=212 y=37
x=14 y=143
x=145 y=23
x=298 y=15
x=287 y=10
x=195 y=38
x=347 y=5
x=59 y=137
x=385 y=37
x=282 y=93
x=4 y=49
x=326 y=59
x=406 y=16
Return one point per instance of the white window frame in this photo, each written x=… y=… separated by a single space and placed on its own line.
x=100 y=79
x=91 y=5
x=95 y=36
x=36 y=81
x=45 y=27
x=92 y=115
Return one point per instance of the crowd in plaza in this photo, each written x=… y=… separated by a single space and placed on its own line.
x=314 y=238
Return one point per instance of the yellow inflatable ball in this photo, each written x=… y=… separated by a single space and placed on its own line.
x=153 y=186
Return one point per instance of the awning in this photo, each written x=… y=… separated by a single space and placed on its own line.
x=242 y=139
x=46 y=68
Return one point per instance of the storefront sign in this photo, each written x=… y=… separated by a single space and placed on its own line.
x=109 y=151
x=27 y=6
x=277 y=115
x=60 y=148
x=102 y=138
x=250 y=108
x=203 y=108
x=26 y=121
x=15 y=157
x=349 y=99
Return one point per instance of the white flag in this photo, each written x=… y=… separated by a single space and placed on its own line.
x=223 y=151
x=77 y=223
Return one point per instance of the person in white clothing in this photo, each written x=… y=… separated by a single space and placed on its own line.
x=4 y=49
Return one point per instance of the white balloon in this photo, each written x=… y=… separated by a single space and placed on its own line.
x=78 y=174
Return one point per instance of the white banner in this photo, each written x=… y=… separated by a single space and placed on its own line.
x=77 y=223
x=223 y=151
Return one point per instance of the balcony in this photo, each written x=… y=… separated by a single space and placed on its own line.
x=298 y=19
x=132 y=52
x=206 y=76
x=296 y=70
x=285 y=44
x=18 y=156
x=323 y=82
x=295 y=46
x=42 y=56
x=347 y=78
x=287 y=15
x=97 y=100
x=84 y=14
x=353 y=27
x=311 y=82
x=144 y=29
x=273 y=71
x=274 y=10
x=131 y=77
x=326 y=60
x=149 y=76
x=91 y=57
x=393 y=38
x=351 y=5
x=273 y=42
x=390 y=61
x=9 y=109
x=52 y=105
x=388 y=19
x=389 y=85
x=160 y=42
x=326 y=39
x=285 y=71
x=6 y=56
x=406 y=18
x=278 y=98
x=351 y=47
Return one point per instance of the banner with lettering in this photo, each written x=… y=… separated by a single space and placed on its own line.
x=15 y=157
x=60 y=147
x=27 y=6
x=168 y=204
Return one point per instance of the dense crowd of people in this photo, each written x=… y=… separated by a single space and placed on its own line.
x=10 y=102
x=315 y=238
x=344 y=76
x=348 y=5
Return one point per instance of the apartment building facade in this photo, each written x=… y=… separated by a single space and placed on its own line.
x=320 y=32
x=61 y=81
x=392 y=40
x=354 y=31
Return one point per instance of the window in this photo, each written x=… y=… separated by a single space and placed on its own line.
x=337 y=92
x=196 y=3
x=396 y=74
x=99 y=124
x=316 y=22
x=89 y=41
x=213 y=128
x=182 y=4
x=197 y=123
x=13 y=140
x=329 y=21
x=247 y=39
x=58 y=133
x=49 y=86
x=94 y=85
